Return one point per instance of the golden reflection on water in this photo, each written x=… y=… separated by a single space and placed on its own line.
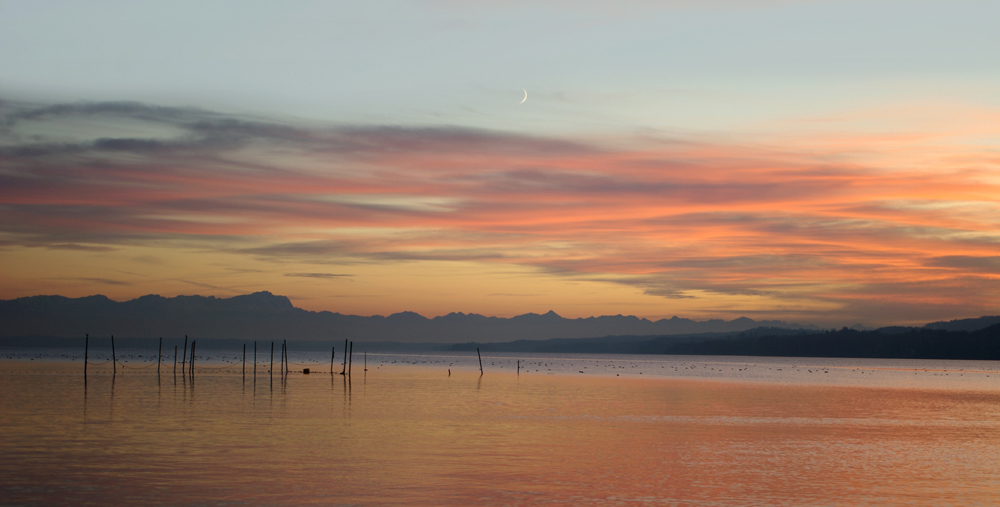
x=411 y=436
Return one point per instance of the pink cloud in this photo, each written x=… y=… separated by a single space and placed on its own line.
x=675 y=219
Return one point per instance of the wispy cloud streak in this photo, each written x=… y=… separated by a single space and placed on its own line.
x=788 y=228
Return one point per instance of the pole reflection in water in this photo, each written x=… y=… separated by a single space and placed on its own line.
x=111 y=402
x=85 y=399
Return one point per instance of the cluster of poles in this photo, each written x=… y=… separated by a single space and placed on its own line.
x=283 y=363
x=187 y=367
x=348 y=358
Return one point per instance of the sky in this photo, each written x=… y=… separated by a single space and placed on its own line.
x=825 y=162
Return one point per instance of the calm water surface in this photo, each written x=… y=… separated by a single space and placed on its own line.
x=629 y=430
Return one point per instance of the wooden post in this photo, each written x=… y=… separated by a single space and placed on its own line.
x=175 y=363
x=366 y=360
x=285 y=343
x=184 y=356
x=344 y=370
x=350 y=359
x=159 y=357
x=480 y=361
x=192 y=357
x=282 y=365
x=114 y=357
x=86 y=354
x=271 y=369
x=518 y=366
x=333 y=354
x=255 y=360
x=244 y=361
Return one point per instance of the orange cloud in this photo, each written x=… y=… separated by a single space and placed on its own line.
x=821 y=234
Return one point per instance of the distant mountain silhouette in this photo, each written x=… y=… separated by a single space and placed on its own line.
x=965 y=324
x=265 y=316
x=895 y=343
x=890 y=342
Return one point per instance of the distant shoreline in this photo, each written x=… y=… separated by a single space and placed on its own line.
x=887 y=343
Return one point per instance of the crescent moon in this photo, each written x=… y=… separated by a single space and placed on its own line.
x=525 y=96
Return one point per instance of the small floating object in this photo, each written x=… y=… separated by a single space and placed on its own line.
x=305 y=371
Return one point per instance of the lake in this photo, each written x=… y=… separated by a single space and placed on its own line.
x=567 y=430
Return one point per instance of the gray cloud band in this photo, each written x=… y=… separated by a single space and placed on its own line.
x=565 y=207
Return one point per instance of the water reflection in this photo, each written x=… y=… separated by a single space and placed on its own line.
x=417 y=436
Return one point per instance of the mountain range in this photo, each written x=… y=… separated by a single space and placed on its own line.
x=265 y=316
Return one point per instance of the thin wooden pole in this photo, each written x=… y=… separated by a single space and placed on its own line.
x=244 y=361
x=282 y=365
x=255 y=360
x=271 y=370
x=114 y=357
x=518 y=366
x=333 y=354
x=86 y=354
x=344 y=370
x=159 y=357
x=480 y=361
x=184 y=356
x=175 y=363
x=285 y=342
x=192 y=357
x=350 y=359
x=366 y=360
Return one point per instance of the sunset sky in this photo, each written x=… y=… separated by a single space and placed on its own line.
x=827 y=162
